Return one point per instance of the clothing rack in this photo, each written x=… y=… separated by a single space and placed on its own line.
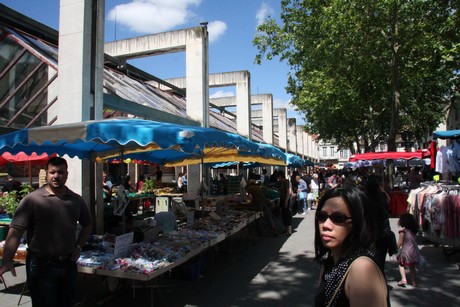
x=436 y=207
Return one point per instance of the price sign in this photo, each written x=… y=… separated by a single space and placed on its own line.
x=123 y=245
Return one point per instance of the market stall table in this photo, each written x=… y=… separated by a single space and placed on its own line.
x=196 y=239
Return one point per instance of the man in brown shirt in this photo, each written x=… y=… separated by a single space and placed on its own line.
x=50 y=215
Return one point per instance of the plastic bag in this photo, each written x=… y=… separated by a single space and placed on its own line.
x=392 y=244
x=422 y=263
x=301 y=196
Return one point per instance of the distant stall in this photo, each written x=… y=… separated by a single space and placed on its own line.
x=394 y=155
x=398 y=198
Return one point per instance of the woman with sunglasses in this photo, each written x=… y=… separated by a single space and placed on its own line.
x=344 y=233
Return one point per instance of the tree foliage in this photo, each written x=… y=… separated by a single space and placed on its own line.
x=366 y=70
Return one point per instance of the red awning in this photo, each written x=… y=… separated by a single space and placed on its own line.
x=22 y=158
x=419 y=154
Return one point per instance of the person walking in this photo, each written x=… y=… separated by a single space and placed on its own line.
x=409 y=253
x=264 y=178
x=343 y=236
x=223 y=183
x=50 y=215
x=180 y=183
x=334 y=180
x=302 y=191
x=285 y=194
x=314 y=189
x=106 y=188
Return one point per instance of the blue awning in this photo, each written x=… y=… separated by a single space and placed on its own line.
x=101 y=140
x=448 y=134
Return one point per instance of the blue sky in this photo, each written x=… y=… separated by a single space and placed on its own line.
x=231 y=25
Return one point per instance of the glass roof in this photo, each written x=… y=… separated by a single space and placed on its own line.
x=24 y=70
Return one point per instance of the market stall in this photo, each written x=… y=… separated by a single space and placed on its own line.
x=394 y=155
x=145 y=261
x=398 y=197
x=99 y=140
x=162 y=142
x=435 y=203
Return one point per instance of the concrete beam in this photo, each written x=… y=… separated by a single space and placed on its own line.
x=242 y=81
x=266 y=114
x=194 y=41
x=153 y=44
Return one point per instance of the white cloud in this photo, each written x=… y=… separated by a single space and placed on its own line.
x=216 y=29
x=152 y=16
x=220 y=93
x=263 y=12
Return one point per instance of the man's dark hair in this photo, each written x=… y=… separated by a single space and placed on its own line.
x=56 y=161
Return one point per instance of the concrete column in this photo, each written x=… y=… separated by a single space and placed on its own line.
x=243 y=106
x=99 y=62
x=75 y=89
x=307 y=140
x=266 y=100
x=292 y=134
x=241 y=79
x=263 y=117
x=197 y=93
x=300 y=140
x=80 y=81
x=196 y=54
x=282 y=128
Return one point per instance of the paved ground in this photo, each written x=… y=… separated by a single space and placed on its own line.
x=275 y=271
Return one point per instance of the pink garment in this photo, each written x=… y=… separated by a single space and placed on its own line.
x=409 y=253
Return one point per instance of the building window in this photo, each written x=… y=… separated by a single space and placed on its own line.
x=324 y=152
x=332 y=151
x=344 y=154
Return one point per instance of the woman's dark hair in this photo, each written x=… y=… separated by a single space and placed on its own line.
x=379 y=201
x=408 y=221
x=362 y=233
x=372 y=184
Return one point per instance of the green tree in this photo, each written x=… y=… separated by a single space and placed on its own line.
x=366 y=70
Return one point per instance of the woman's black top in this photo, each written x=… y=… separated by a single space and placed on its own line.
x=332 y=276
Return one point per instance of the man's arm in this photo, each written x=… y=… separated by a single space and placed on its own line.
x=81 y=241
x=11 y=245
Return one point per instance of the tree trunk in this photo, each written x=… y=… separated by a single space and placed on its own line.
x=358 y=146
x=396 y=84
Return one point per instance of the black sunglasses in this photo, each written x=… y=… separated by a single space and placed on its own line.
x=336 y=218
